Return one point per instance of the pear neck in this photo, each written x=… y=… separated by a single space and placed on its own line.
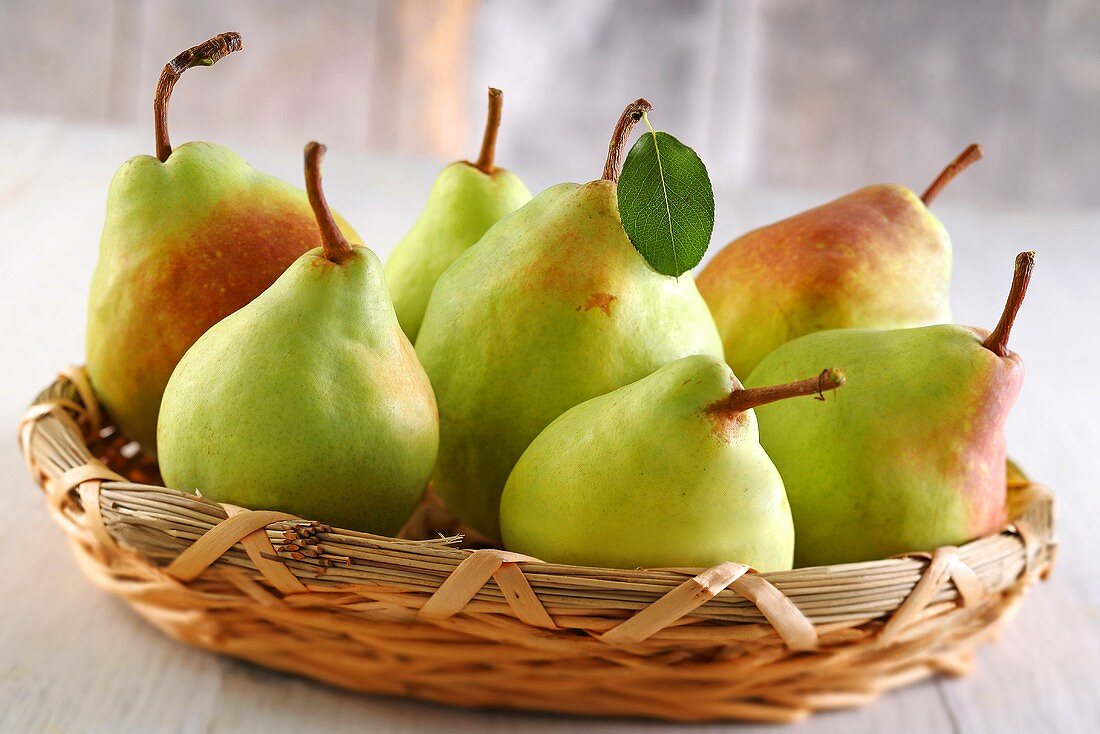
x=743 y=399
x=336 y=247
x=997 y=341
x=492 y=128
x=970 y=155
x=206 y=53
x=630 y=117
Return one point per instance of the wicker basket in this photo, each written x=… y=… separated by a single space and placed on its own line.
x=487 y=628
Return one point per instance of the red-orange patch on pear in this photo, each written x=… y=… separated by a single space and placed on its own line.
x=982 y=469
x=816 y=252
x=214 y=269
x=601 y=301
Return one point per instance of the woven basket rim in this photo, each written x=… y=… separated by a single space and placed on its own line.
x=488 y=628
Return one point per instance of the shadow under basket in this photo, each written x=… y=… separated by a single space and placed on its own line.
x=487 y=628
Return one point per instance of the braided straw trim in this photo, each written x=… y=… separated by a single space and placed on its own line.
x=474 y=572
x=491 y=628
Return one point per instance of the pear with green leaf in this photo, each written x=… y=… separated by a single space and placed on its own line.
x=875 y=258
x=466 y=199
x=191 y=235
x=910 y=456
x=667 y=471
x=552 y=307
x=310 y=399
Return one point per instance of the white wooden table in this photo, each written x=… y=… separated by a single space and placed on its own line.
x=73 y=659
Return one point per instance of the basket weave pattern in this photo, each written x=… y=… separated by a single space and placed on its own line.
x=428 y=619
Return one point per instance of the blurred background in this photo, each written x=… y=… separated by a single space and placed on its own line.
x=789 y=102
x=783 y=93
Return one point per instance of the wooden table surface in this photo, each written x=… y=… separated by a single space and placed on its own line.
x=73 y=659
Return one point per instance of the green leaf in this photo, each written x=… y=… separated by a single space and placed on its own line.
x=666 y=203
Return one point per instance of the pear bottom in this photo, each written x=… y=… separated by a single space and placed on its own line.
x=309 y=400
x=645 y=476
x=908 y=456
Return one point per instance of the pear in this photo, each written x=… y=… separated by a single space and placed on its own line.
x=466 y=199
x=665 y=472
x=191 y=235
x=551 y=307
x=911 y=454
x=876 y=258
x=310 y=399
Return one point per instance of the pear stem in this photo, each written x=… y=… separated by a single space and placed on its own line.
x=627 y=120
x=492 y=127
x=206 y=53
x=743 y=399
x=337 y=249
x=972 y=154
x=997 y=341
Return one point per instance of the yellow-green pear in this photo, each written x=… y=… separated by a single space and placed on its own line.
x=910 y=456
x=191 y=235
x=466 y=199
x=552 y=307
x=310 y=399
x=875 y=258
x=665 y=472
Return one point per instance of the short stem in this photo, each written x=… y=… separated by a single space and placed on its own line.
x=337 y=249
x=627 y=120
x=972 y=154
x=997 y=341
x=207 y=53
x=492 y=126
x=741 y=400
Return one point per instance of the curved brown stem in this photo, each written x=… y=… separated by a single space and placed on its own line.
x=741 y=400
x=492 y=126
x=627 y=120
x=972 y=154
x=997 y=341
x=337 y=249
x=206 y=53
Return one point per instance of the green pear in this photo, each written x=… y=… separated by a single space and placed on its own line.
x=466 y=199
x=310 y=399
x=191 y=235
x=665 y=472
x=910 y=456
x=876 y=258
x=551 y=307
